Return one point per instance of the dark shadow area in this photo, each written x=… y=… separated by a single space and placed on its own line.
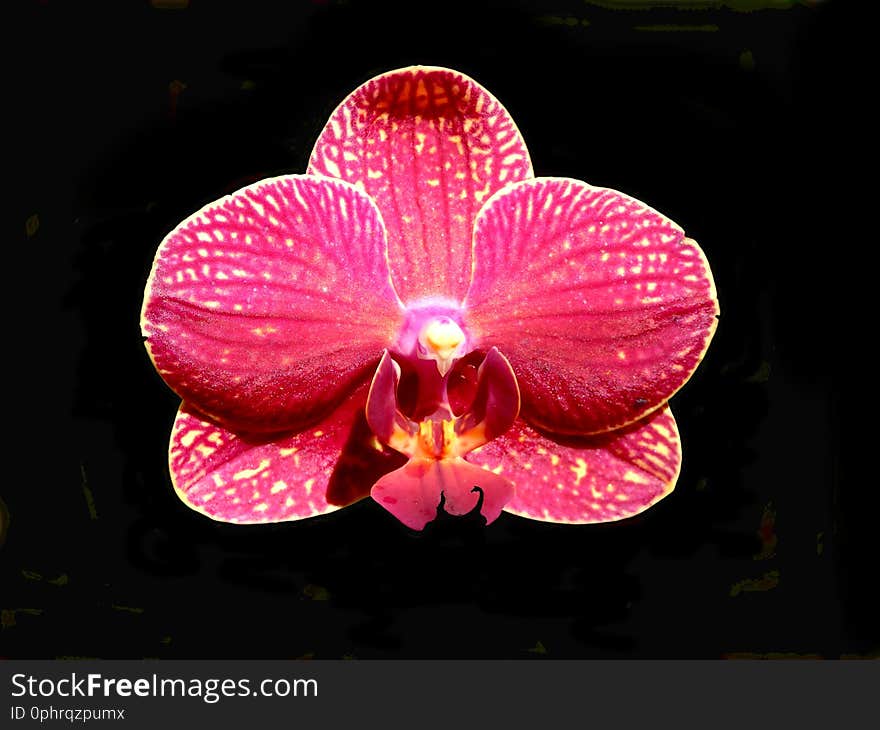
x=136 y=130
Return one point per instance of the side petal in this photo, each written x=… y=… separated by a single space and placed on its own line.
x=495 y=405
x=600 y=303
x=587 y=479
x=263 y=307
x=383 y=415
x=413 y=493
x=251 y=479
x=430 y=146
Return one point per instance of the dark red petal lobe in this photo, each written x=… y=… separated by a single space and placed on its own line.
x=495 y=406
x=265 y=306
x=412 y=493
x=430 y=146
x=247 y=479
x=600 y=303
x=586 y=479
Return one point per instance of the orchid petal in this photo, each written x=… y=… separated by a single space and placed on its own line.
x=255 y=478
x=430 y=145
x=495 y=405
x=383 y=415
x=413 y=493
x=586 y=479
x=263 y=308
x=601 y=304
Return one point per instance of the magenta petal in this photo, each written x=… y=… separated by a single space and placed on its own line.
x=413 y=492
x=385 y=419
x=600 y=303
x=588 y=479
x=246 y=478
x=264 y=307
x=430 y=145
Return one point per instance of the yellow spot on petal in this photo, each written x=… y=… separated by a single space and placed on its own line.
x=261 y=507
x=661 y=449
x=662 y=430
x=278 y=486
x=634 y=477
x=249 y=473
x=309 y=483
x=188 y=438
x=318 y=433
x=580 y=471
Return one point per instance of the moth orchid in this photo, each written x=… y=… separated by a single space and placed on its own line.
x=421 y=319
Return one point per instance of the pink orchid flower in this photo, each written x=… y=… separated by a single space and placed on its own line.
x=421 y=319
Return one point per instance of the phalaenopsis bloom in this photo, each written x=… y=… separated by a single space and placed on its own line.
x=421 y=319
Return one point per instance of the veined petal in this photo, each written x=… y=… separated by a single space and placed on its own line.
x=246 y=478
x=413 y=492
x=430 y=145
x=600 y=303
x=588 y=479
x=264 y=307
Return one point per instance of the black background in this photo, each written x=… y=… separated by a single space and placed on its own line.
x=134 y=116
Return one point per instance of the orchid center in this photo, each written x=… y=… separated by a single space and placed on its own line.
x=434 y=329
x=441 y=340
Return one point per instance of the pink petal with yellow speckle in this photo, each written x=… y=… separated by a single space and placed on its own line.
x=586 y=479
x=250 y=478
x=600 y=303
x=266 y=306
x=430 y=145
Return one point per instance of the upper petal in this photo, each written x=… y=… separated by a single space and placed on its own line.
x=600 y=303
x=586 y=479
x=430 y=145
x=264 y=307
